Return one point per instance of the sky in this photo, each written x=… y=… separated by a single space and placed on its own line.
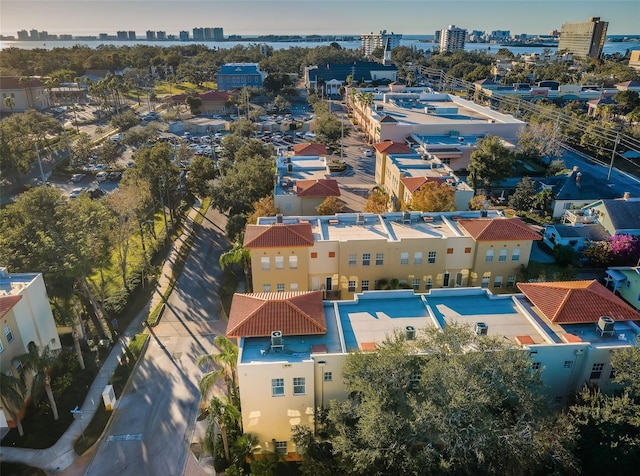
x=253 y=17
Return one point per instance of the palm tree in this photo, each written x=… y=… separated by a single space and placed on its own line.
x=238 y=255
x=12 y=392
x=227 y=360
x=226 y=417
x=9 y=102
x=38 y=365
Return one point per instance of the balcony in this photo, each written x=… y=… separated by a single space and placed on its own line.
x=579 y=217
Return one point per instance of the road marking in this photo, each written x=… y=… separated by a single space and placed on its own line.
x=125 y=437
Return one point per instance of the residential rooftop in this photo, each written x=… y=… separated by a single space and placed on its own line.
x=13 y=283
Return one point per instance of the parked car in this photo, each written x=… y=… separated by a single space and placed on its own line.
x=102 y=176
x=99 y=167
x=75 y=193
x=75 y=178
x=96 y=193
x=88 y=168
x=115 y=176
x=368 y=153
x=117 y=137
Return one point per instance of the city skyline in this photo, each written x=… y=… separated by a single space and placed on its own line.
x=282 y=17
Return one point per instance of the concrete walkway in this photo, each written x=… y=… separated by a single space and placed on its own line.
x=60 y=456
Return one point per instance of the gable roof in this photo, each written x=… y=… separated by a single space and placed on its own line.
x=414 y=183
x=391 y=147
x=293 y=313
x=219 y=96
x=387 y=119
x=624 y=214
x=7 y=303
x=278 y=235
x=317 y=188
x=499 y=229
x=358 y=70
x=310 y=148
x=577 y=185
x=233 y=69
x=577 y=302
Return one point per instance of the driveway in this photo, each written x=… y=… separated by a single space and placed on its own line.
x=153 y=425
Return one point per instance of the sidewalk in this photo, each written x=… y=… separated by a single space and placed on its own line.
x=61 y=456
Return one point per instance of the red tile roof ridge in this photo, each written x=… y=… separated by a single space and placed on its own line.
x=7 y=303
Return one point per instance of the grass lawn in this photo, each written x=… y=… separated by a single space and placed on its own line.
x=164 y=89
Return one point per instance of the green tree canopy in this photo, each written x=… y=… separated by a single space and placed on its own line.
x=490 y=163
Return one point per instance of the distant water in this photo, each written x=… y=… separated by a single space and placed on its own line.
x=417 y=41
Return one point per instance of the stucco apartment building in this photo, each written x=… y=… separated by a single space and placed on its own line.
x=239 y=75
x=28 y=93
x=25 y=316
x=397 y=113
x=292 y=345
x=348 y=253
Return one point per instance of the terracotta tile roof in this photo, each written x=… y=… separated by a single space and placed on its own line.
x=577 y=302
x=391 y=147
x=414 y=183
x=7 y=303
x=317 y=188
x=499 y=229
x=368 y=346
x=293 y=313
x=220 y=96
x=570 y=338
x=309 y=148
x=277 y=236
x=525 y=340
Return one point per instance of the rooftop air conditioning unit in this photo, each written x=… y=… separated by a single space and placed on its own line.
x=460 y=139
x=276 y=340
x=606 y=324
x=481 y=329
x=410 y=332
x=289 y=167
x=279 y=218
x=360 y=219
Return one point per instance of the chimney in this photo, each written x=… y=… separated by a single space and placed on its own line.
x=576 y=168
x=578 y=176
x=627 y=195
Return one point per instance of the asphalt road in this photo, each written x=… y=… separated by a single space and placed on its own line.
x=153 y=425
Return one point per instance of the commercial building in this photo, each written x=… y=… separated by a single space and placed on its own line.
x=371 y=41
x=452 y=38
x=121 y=35
x=331 y=77
x=239 y=75
x=26 y=94
x=634 y=60
x=353 y=252
x=132 y=35
x=292 y=346
x=584 y=39
x=218 y=34
x=150 y=35
x=26 y=317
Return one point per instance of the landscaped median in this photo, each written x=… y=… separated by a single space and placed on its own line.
x=132 y=353
x=181 y=257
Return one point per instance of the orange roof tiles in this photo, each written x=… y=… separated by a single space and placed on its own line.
x=293 y=313
x=414 y=183
x=574 y=302
x=391 y=147
x=525 y=340
x=317 y=188
x=368 y=346
x=279 y=235
x=571 y=338
x=309 y=148
x=499 y=229
x=7 y=303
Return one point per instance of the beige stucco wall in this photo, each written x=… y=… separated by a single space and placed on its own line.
x=274 y=276
x=496 y=267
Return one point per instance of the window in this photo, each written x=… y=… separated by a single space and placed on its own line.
x=293 y=262
x=279 y=262
x=449 y=251
x=511 y=281
x=515 y=256
x=277 y=387
x=293 y=286
x=351 y=287
x=404 y=258
x=280 y=287
x=364 y=285
x=265 y=263
x=379 y=259
x=8 y=333
x=366 y=259
x=1 y=347
x=416 y=284
x=428 y=283
x=17 y=364
x=445 y=279
x=535 y=366
x=596 y=371
x=376 y=285
x=503 y=255
x=266 y=288
x=281 y=447
x=417 y=257
x=497 y=282
x=299 y=387
x=485 y=280
x=568 y=364
x=315 y=255
x=489 y=256
x=431 y=257
x=332 y=254
x=467 y=251
x=352 y=260
x=328 y=376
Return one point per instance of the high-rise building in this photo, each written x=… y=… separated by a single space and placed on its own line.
x=218 y=34
x=452 y=38
x=161 y=35
x=184 y=35
x=584 y=39
x=121 y=35
x=208 y=34
x=371 y=41
x=23 y=35
x=34 y=35
x=198 y=34
x=103 y=36
x=151 y=35
x=132 y=35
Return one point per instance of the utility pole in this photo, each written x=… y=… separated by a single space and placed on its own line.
x=613 y=155
x=44 y=180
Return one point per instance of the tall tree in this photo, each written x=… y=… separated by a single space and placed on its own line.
x=490 y=163
x=433 y=197
x=265 y=207
x=522 y=198
x=238 y=255
x=330 y=206
x=227 y=360
x=226 y=417
x=378 y=201
x=36 y=365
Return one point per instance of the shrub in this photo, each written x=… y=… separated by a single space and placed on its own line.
x=117 y=302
